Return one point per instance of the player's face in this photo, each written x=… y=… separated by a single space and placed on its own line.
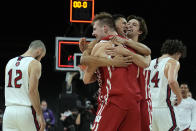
x=184 y=89
x=133 y=28
x=44 y=105
x=98 y=31
x=40 y=54
x=121 y=26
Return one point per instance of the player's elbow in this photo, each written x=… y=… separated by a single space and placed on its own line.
x=146 y=64
x=82 y=60
x=143 y=64
x=86 y=80
x=147 y=52
x=147 y=61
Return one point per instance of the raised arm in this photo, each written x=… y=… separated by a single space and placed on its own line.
x=139 y=47
x=139 y=60
x=34 y=76
x=102 y=62
x=88 y=59
x=171 y=72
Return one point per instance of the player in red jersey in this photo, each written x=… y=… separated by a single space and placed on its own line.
x=137 y=24
x=116 y=95
x=137 y=31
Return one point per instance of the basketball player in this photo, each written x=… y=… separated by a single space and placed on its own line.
x=186 y=111
x=122 y=30
x=164 y=85
x=22 y=99
x=136 y=30
x=116 y=101
x=120 y=25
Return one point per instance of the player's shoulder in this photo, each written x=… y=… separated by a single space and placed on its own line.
x=35 y=63
x=173 y=62
x=11 y=60
x=191 y=100
x=103 y=42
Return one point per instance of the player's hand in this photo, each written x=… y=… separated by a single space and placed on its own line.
x=189 y=130
x=119 y=61
x=83 y=44
x=42 y=122
x=117 y=40
x=114 y=51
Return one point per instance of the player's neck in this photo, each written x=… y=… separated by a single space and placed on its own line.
x=28 y=53
x=167 y=55
x=112 y=33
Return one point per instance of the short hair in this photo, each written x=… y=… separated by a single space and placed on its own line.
x=104 y=18
x=117 y=17
x=173 y=46
x=143 y=26
x=184 y=83
x=37 y=44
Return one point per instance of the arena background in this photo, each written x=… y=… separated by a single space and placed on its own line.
x=24 y=21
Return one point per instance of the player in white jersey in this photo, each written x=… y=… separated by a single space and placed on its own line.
x=22 y=99
x=164 y=85
x=186 y=111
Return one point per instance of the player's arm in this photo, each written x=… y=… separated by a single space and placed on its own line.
x=139 y=47
x=102 y=62
x=34 y=75
x=139 y=60
x=89 y=75
x=193 y=116
x=88 y=59
x=171 y=73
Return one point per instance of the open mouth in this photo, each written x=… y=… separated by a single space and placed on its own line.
x=130 y=30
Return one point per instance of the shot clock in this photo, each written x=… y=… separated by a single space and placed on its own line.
x=81 y=11
x=68 y=53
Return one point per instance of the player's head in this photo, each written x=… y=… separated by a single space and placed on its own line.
x=38 y=49
x=173 y=47
x=44 y=105
x=120 y=24
x=136 y=27
x=184 y=89
x=102 y=24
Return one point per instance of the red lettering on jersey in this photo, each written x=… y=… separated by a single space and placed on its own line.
x=19 y=77
x=155 y=79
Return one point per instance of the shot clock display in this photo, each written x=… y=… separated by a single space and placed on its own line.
x=68 y=53
x=81 y=11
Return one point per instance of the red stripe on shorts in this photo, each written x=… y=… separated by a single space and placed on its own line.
x=35 y=119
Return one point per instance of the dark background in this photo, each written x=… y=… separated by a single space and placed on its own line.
x=24 y=21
